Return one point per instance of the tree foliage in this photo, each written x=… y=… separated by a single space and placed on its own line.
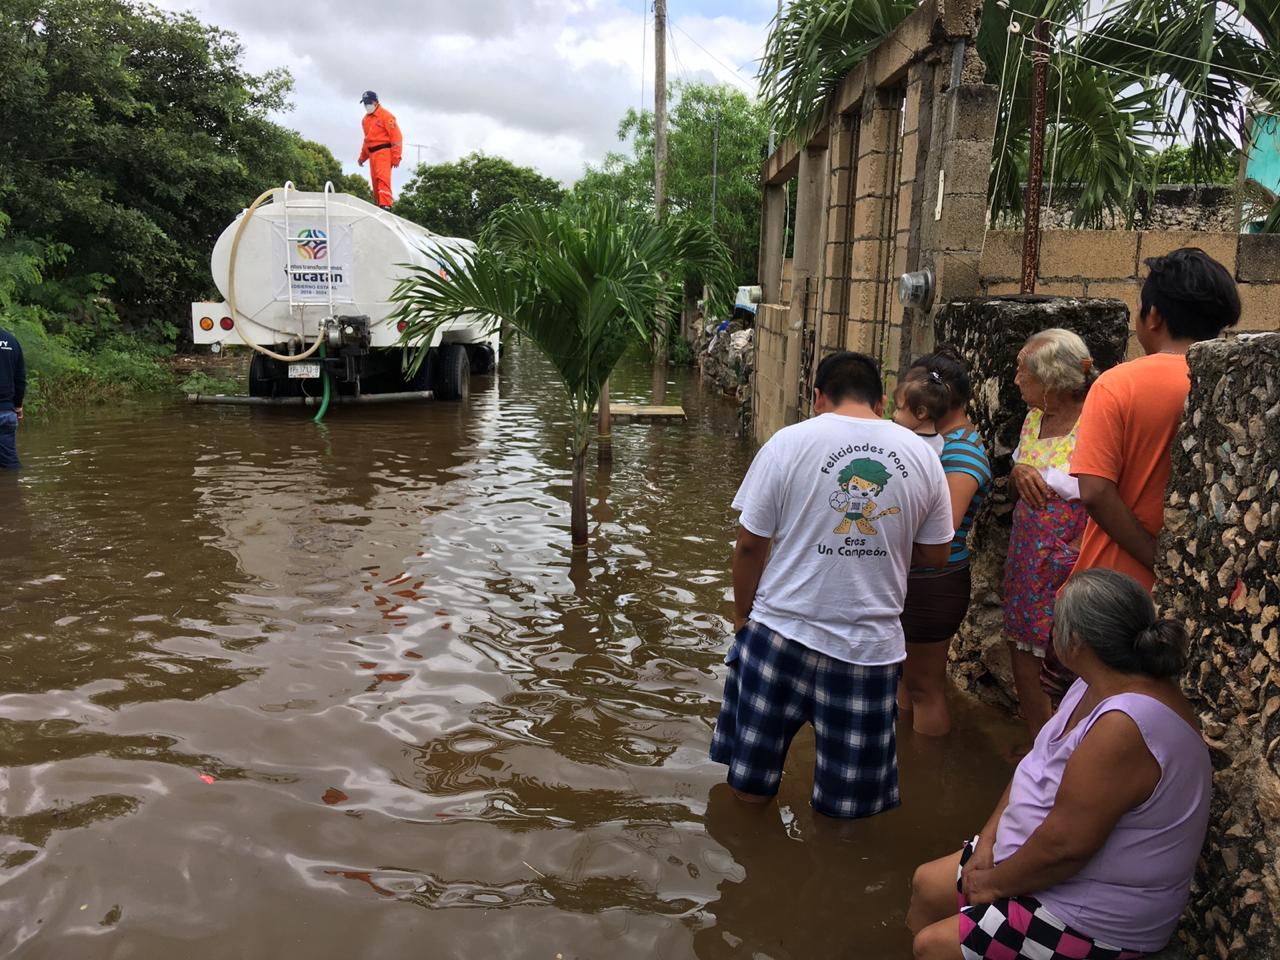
x=129 y=139
x=1122 y=79
x=581 y=282
x=457 y=199
x=1176 y=165
x=703 y=120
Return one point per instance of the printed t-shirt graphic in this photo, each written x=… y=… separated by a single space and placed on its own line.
x=832 y=588
x=859 y=481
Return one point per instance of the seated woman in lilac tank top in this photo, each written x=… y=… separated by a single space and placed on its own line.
x=1091 y=851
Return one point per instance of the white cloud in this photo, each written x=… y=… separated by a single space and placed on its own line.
x=541 y=82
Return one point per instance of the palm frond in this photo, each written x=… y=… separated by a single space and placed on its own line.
x=581 y=284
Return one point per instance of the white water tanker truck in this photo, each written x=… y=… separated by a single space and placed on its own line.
x=308 y=279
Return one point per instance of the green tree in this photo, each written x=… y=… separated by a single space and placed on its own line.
x=313 y=165
x=1176 y=165
x=581 y=283
x=129 y=139
x=710 y=128
x=457 y=199
x=1122 y=78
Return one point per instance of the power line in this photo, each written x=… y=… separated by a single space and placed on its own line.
x=1165 y=53
x=732 y=72
x=1192 y=95
x=644 y=47
x=675 y=55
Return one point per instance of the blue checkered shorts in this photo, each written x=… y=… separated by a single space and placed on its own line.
x=774 y=686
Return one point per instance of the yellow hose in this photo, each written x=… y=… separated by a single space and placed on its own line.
x=231 y=291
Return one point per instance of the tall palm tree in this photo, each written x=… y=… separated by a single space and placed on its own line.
x=581 y=284
x=1125 y=76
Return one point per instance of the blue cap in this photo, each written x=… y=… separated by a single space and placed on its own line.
x=369 y=97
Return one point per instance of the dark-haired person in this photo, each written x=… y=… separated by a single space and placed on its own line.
x=1125 y=438
x=938 y=594
x=847 y=501
x=13 y=388
x=1091 y=851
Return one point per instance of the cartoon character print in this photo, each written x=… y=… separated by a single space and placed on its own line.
x=860 y=480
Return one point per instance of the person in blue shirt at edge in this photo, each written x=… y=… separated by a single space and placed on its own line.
x=13 y=389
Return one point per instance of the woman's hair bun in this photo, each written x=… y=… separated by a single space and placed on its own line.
x=949 y=351
x=1161 y=649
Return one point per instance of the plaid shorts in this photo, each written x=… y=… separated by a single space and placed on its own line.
x=775 y=685
x=1019 y=928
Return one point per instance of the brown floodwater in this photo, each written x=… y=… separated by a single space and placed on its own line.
x=278 y=690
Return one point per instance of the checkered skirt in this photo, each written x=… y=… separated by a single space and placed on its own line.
x=1020 y=928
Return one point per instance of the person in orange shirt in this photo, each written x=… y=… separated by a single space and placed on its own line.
x=1124 y=440
x=382 y=147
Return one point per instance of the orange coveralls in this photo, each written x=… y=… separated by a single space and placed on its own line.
x=383 y=144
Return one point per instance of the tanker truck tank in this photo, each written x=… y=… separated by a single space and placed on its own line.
x=311 y=276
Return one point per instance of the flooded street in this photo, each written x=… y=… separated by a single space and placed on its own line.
x=278 y=690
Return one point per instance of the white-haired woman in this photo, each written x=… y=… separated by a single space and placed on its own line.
x=1054 y=374
x=1091 y=851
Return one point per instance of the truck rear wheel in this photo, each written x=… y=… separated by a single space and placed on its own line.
x=453 y=374
x=482 y=359
x=261 y=383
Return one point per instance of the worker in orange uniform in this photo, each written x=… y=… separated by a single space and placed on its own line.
x=383 y=144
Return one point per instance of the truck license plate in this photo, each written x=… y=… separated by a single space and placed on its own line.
x=304 y=371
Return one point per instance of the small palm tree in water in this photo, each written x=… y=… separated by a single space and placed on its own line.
x=580 y=284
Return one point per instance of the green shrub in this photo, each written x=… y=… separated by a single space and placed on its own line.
x=200 y=381
x=681 y=352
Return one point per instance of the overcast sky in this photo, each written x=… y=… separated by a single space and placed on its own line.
x=540 y=82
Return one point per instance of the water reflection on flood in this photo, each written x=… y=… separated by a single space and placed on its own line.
x=423 y=729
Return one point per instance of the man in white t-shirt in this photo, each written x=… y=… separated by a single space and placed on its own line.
x=849 y=502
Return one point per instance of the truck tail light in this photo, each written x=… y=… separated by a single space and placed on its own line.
x=226 y=323
x=206 y=323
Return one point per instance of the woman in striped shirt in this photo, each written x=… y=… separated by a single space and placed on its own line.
x=938 y=599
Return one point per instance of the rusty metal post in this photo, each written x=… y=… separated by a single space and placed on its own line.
x=1035 y=166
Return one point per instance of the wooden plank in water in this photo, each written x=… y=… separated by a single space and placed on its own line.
x=629 y=412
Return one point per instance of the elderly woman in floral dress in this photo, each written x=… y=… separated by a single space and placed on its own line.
x=1054 y=374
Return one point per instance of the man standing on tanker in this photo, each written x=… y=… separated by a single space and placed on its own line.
x=383 y=143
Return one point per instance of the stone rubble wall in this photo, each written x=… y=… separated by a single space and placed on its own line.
x=990 y=333
x=1218 y=570
x=726 y=359
x=1173 y=207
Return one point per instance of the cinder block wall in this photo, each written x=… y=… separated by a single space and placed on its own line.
x=1110 y=263
x=768 y=393
x=892 y=178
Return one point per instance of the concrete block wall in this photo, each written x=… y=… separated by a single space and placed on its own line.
x=770 y=393
x=871 y=204
x=1110 y=263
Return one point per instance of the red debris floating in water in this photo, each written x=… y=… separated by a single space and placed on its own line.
x=366 y=664
x=206 y=778
x=412 y=655
x=334 y=795
x=391 y=677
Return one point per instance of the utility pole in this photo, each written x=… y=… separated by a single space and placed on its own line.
x=1035 y=168
x=659 y=108
x=660 y=182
